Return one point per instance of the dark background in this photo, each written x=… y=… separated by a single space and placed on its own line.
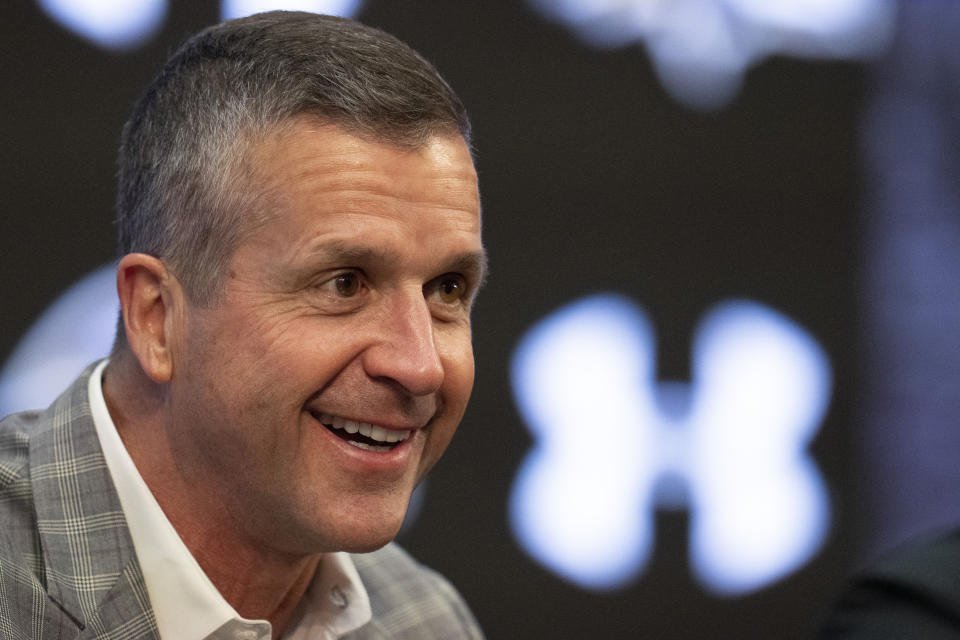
x=593 y=179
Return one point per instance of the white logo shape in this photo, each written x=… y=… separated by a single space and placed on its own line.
x=701 y=49
x=111 y=24
x=127 y=24
x=239 y=8
x=76 y=329
x=612 y=443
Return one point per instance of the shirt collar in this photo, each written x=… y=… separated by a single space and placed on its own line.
x=185 y=602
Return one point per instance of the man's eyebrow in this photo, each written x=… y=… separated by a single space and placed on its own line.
x=351 y=254
x=472 y=263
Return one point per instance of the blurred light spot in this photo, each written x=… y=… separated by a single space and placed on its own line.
x=110 y=24
x=612 y=443
x=239 y=8
x=75 y=330
x=701 y=49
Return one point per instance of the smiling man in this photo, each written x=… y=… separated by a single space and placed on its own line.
x=299 y=227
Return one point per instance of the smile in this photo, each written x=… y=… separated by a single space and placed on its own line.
x=362 y=435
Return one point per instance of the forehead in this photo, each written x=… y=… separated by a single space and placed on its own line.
x=305 y=155
x=320 y=184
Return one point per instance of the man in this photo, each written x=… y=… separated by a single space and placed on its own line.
x=299 y=227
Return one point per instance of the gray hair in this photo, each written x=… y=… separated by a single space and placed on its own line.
x=185 y=173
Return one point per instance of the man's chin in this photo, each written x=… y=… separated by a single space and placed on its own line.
x=367 y=548
x=364 y=535
x=368 y=540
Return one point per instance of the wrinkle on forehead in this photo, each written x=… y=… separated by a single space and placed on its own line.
x=321 y=186
x=348 y=152
x=344 y=163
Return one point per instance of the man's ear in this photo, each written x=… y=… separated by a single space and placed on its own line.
x=148 y=293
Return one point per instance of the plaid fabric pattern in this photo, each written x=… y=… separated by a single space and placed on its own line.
x=68 y=569
x=67 y=564
x=410 y=601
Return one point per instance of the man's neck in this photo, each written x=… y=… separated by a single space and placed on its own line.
x=256 y=585
x=256 y=581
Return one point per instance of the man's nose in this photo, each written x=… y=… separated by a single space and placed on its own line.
x=406 y=351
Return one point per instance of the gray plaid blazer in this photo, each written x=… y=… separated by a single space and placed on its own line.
x=67 y=563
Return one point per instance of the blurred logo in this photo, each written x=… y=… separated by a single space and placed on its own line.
x=612 y=444
x=75 y=330
x=120 y=25
x=701 y=49
x=111 y=24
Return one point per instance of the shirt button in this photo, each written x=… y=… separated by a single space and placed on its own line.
x=338 y=597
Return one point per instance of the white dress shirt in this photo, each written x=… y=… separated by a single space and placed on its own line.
x=185 y=602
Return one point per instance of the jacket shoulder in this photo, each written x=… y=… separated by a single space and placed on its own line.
x=15 y=446
x=23 y=582
x=19 y=536
x=912 y=592
x=410 y=600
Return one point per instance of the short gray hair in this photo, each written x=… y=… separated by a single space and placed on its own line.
x=184 y=191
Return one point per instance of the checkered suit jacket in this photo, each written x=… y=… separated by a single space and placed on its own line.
x=67 y=564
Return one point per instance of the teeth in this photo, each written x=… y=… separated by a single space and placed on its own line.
x=367 y=447
x=389 y=436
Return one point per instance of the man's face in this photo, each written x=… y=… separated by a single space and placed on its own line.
x=349 y=309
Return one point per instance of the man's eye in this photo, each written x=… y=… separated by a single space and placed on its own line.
x=452 y=289
x=347 y=284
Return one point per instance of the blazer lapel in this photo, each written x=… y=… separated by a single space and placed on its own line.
x=91 y=567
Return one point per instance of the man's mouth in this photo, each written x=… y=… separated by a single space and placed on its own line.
x=362 y=435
